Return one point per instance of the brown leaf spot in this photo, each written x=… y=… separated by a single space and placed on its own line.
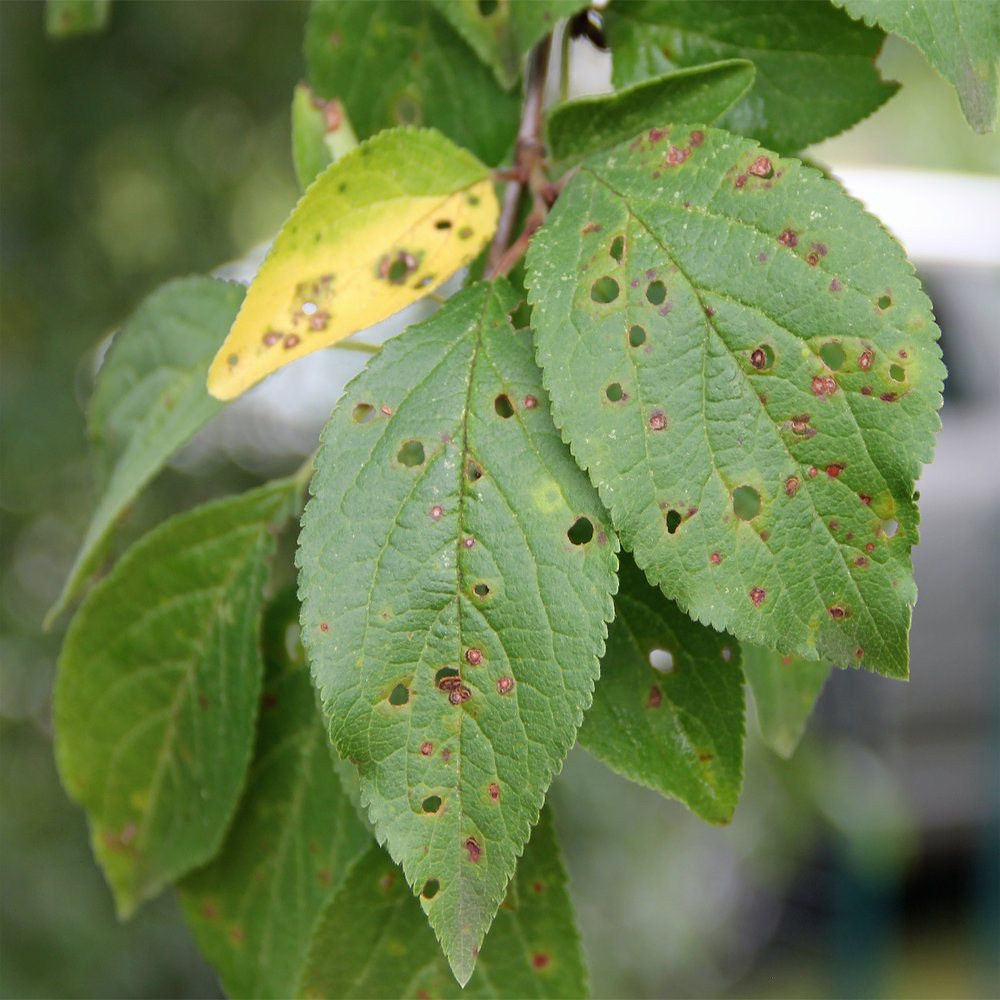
x=800 y=425
x=427 y=748
x=761 y=167
x=865 y=360
x=697 y=137
x=209 y=911
x=834 y=469
x=789 y=238
x=475 y=851
x=676 y=156
x=474 y=656
x=861 y=562
x=656 y=134
x=791 y=486
x=592 y=227
x=824 y=385
x=715 y=558
x=838 y=613
x=271 y=338
x=468 y=542
x=495 y=792
x=836 y=286
x=530 y=402
x=269 y=699
x=325 y=876
x=505 y=685
x=865 y=499
x=812 y=259
x=324 y=626
x=813 y=471
x=889 y=397
x=437 y=513
x=758 y=359
x=459 y=695
x=446 y=755
x=540 y=961
x=385 y=410
x=538 y=886
x=740 y=181
x=757 y=595
x=870 y=547
x=657 y=420
x=292 y=340
x=655 y=697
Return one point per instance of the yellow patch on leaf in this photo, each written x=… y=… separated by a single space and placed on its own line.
x=378 y=230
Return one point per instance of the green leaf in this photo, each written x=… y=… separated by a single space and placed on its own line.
x=579 y=128
x=668 y=709
x=960 y=40
x=158 y=687
x=65 y=18
x=149 y=399
x=402 y=63
x=456 y=578
x=254 y=907
x=374 y=942
x=321 y=133
x=785 y=689
x=744 y=362
x=501 y=32
x=816 y=72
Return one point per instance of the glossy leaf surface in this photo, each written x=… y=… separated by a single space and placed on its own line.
x=374 y=942
x=816 y=72
x=379 y=229
x=960 y=40
x=579 y=128
x=745 y=364
x=456 y=573
x=158 y=688
x=294 y=836
x=401 y=63
x=668 y=709
x=150 y=399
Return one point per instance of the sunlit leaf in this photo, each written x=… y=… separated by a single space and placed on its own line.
x=456 y=573
x=379 y=229
x=744 y=362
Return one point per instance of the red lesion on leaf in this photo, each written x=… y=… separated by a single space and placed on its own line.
x=838 y=613
x=530 y=402
x=385 y=410
x=540 y=961
x=655 y=697
x=324 y=626
x=705 y=756
x=791 y=486
x=757 y=596
x=697 y=137
x=209 y=910
x=789 y=238
x=824 y=385
x=446 y=755
x=715 y=558
x=427 y=748
x=656 y=134
x=866 y=358
x=677 y=155
x=437 y=513
x=861 y=562
x=538 y=886
x=592 y=227
x=474 y=656
x=475 y=851
x=865 y=499
x=834 y=469
x=889 y=397
x=495 y=792
x=505 y=685
x=761 y=167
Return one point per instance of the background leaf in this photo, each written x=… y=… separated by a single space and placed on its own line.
x=745 y=364
x=960 y=40
x=158 y=688
x=373 y=941
x=579 y=128
x=785 y=689
x=816 y=72
x=64 y=18
x=379 y=229
x=502 y=33
x=399 y=62
x=149 y=399
x=668 y=709
x=321 y=133
x=253 y=908
x=456 y=573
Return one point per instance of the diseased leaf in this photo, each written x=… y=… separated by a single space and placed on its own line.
x=816 y=72
x=399 y=62
x=960 y=40
x=785 y=689
x=744 y=362
x=373 y=941
x=321 y=133
x=379 y=229
x=668 y=709
x=579 y=128
x=64 y=18
x=149 y=399
x=456 y=573
x=502 y=33
x=158 y=687
x=254 y=906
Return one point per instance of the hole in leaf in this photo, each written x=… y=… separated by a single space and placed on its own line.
x=762 y=357
x=399 y=695
x=442 y=224
x=637 y=336
x=673 y=520
x=430 y=889
x=473 y=471
x=897 y=373
x=746 y=503
x=503 y=406
x=411 y=454
x=656 y=292
x=833 y=355
x=445 y=678
x=604 y=290
x=487 y=7
x=889 y=528
x=431 y=804
x=614 y=392
x=884 y=302
x=397 y=272
x=618 y=248
x=362 y=413
x=520 y=315
x=481 y=590
x=662 y=660
x=581 y=532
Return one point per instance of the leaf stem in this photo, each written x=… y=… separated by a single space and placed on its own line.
x=357 y=345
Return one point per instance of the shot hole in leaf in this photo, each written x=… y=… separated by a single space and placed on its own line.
x=446 y=678
x=746 y=503
x=833 y=355
x=614 y=392
x=656 y=292
x=520 y=315
x=503 y=406
x=762 y=358
x=636 y=336
x=442 y=224
x=884 y=301
x=618 y=248
x=897 y=373
x=363 y=413
x=411 y=454
x=604 y=290
x=661 y=660
x=431 y=804
x=399 y=695
x=481 y=590
x=430 y=889
x=889 y=528
x=581 y=532
x=673 y=521
x=473 y=471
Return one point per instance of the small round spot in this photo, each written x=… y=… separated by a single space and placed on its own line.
x=495 y=792
x=411 y=454
x=662 y=660
x=789 y=238
x=757 y=596
x=838 y=613
x=824 y=385
x=657 y=420
x=503 y=406
x=458 y=695
x=581 y=531
x=466 y=232
x=746 y=503
x=865 y=359
x=614 y=392
x=427 y=748
x=761 y=167
x=715 y=558
x=540 y=961
x=430 y=889
x=437 y=513
x=468 y=542
x=385 y=410
x=604 y=290
x=505 y=685
x=271 y=338
x=791 y=486
x=530 y=402
x=656 y=292
x=399 y=695
x=834 y=469
x=636 y=336
x=474 y=656
x=324 y=626
x=833 y=355
x=292 y=340
x=233 y=360
x=762 y=358
x=726 y=653
x=431 y=804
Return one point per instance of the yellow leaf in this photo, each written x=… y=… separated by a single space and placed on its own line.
x=376 y=231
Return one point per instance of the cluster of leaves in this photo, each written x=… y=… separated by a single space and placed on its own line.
x=592 y=497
